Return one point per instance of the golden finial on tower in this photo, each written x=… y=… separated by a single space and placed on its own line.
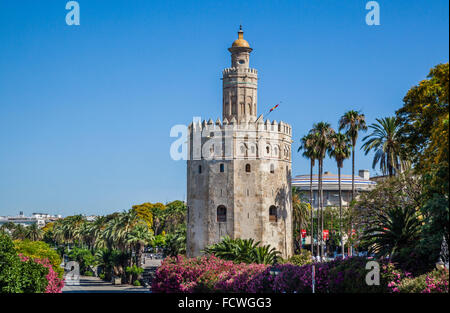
x=240 y=42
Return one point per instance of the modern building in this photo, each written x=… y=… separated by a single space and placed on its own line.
x=363 y=183
x=36 y=218
x=239 y=169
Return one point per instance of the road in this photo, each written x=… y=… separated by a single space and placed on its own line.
x=96 y=285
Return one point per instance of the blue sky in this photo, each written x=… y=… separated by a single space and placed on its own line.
x=86 y=111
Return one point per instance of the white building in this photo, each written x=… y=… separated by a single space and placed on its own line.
x=331 y=187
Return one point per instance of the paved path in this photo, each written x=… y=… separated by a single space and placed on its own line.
x=96 y=285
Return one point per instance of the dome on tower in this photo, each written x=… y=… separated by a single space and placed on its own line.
x=240 y=42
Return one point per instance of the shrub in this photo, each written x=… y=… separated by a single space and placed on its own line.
x=40 y=250
x=102 y=276
x=243 y=250
x=54 y=284
x=349 y=276
x=17 y=276
x=88 y=273
x=136 y=283
x=433 y=282
x=22 y=274
x=212 y=274
x=83 y=256
x=299 y=259
x=134 y=271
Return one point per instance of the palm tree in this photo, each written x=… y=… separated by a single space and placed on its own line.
x=309 y=151
x=322 y=133
x=353 y=122
x=138 y=238
x=393 y=230
x=19 y=232
x=300 y=212
x=33 y=232
x=243 y=250
x=340 y=150
x=385 y=141
x=8 y=227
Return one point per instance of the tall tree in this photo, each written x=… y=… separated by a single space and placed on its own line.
x=385 y=140
x=308 y=146
x=353 y=122
x=424 y=121
x=33 y=232
x=322 y=132
x=339 y=151
x=300 y=212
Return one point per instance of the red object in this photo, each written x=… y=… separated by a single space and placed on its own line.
x=303 y=231
x=326 y=234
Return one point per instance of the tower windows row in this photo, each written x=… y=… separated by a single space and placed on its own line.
x=222 y=214
x=248 y=168
x=221 y=168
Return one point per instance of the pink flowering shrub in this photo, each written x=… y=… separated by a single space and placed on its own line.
x=433 y=282
x=54 y=283
x=212 y=274
x=240 y=278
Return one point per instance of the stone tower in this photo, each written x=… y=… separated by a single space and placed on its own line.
x=239 y=170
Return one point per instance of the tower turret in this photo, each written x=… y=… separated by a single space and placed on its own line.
x=240 y=82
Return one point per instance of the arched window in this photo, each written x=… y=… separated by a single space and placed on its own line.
x=273 y=214
x=272 y=168
x=268 y=149
x=247 y=168
x=199 y=169
x=221 y=214
x=222 y=167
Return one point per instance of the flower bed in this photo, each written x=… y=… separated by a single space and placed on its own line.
x=211 y=274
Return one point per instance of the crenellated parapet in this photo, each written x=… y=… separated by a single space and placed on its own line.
x=245 y=139
x=237 y=70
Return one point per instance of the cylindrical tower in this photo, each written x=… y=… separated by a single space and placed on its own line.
x=240 y=83
x=239 y=170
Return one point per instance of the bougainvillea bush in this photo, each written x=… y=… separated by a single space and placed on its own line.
x=433 y=282
x=212 y=274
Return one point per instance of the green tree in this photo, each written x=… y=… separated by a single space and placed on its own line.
x=33 y=232
x=353 y=122
x=322 y=132
x=308 y=146
x=19 y=232
x=385 y=141
x=300 y=215
x=39 y=250
x=393 y=230
x=339 y=150
x=176 y=241
x=424 y=123
x=18 y=276
x=424 y=118
x=243 y=250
